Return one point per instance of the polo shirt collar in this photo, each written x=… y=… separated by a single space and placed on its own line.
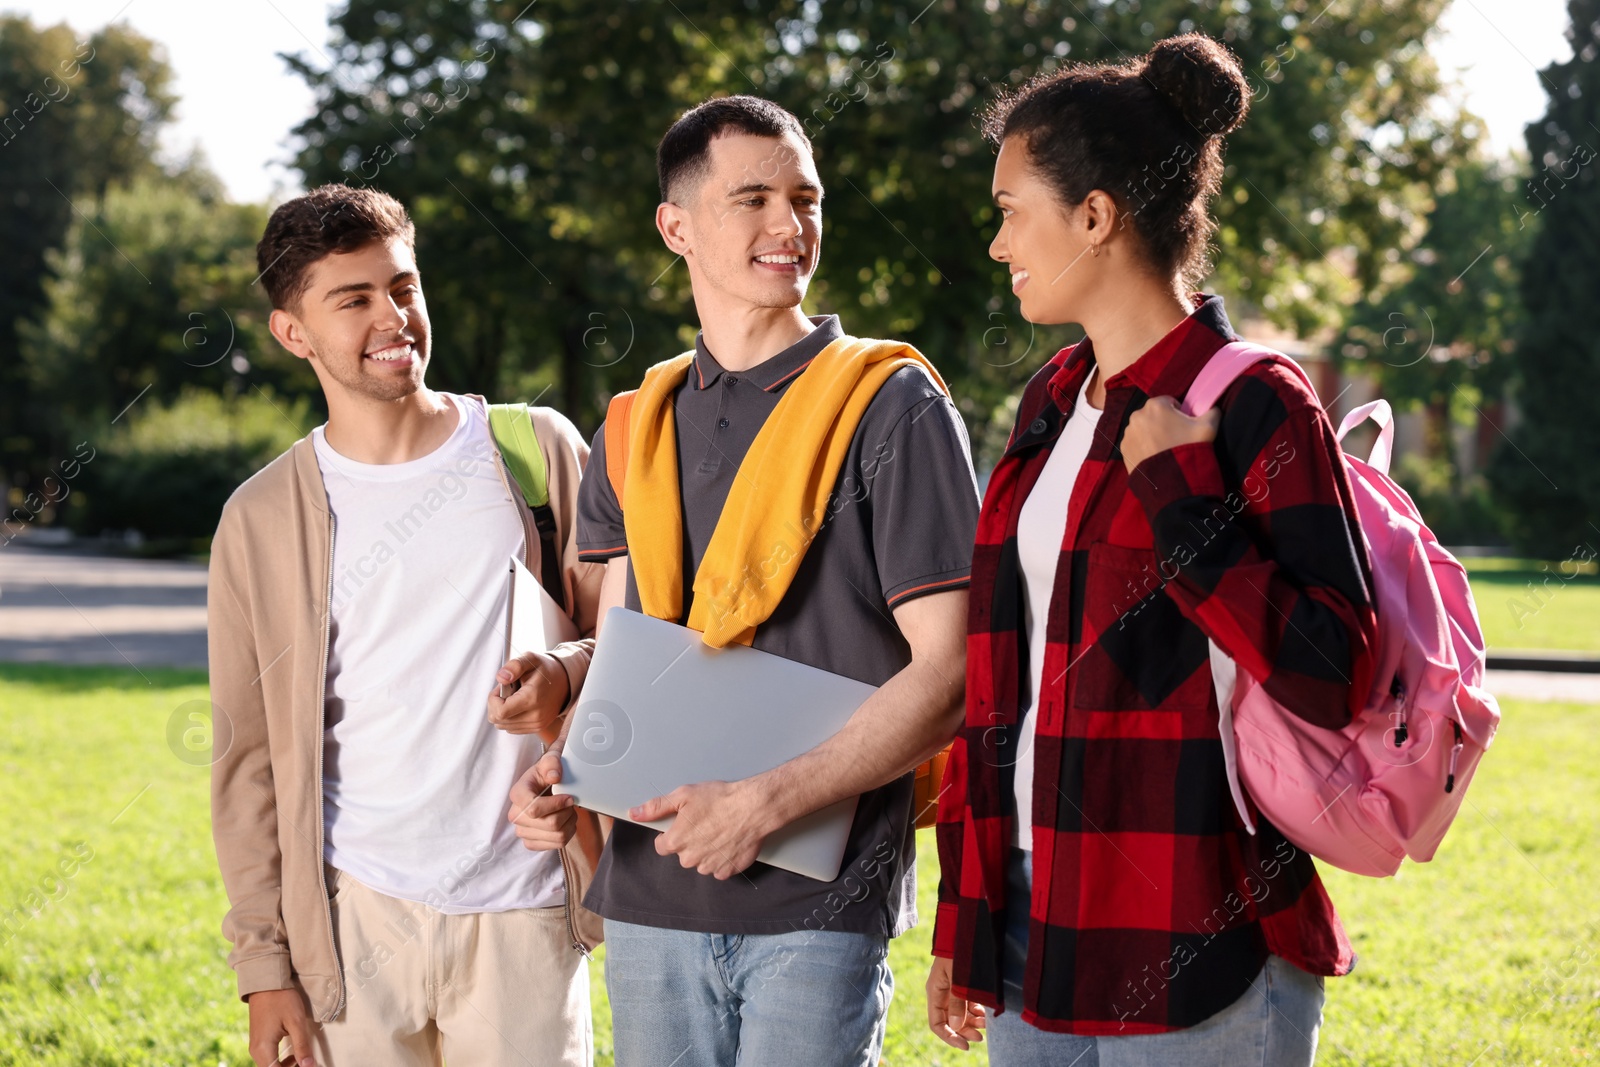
x=776 y=371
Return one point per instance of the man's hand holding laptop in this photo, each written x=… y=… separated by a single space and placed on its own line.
x=718 y=828
x=534 y=706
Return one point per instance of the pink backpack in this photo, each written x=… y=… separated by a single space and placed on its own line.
x=1388 y=785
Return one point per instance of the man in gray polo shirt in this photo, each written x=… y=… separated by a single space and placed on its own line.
x=711 y=957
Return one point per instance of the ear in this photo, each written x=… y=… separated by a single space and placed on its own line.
x=1099 y=217
x=290 y=333
x=675 y=226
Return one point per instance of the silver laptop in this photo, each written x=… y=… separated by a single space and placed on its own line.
x=661 y=708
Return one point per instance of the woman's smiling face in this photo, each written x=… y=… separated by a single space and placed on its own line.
x=1045 y=243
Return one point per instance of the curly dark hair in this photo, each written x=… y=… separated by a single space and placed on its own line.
x=1148 y=132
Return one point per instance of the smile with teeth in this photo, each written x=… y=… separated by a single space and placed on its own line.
x=392 y=354
x=780 y=257
x=1018 y=280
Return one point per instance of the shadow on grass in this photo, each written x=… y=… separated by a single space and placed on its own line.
x=75 y=678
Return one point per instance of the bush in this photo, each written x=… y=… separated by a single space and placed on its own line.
x=170 y=470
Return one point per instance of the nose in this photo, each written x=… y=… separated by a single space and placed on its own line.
x=786 y=224
x=1000 y=248
x=391 y=316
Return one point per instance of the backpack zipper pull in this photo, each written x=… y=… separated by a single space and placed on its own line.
x=1397 y=689
x=1455 y=756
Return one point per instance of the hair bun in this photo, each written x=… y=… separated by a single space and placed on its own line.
x=1202 y=80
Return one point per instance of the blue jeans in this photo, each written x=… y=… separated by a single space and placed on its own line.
x=1274 y=1024
x=683 y=999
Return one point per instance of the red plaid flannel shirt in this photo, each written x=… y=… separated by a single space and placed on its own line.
x=1153 y=907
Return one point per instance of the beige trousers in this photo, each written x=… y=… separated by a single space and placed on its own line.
x=481 y=990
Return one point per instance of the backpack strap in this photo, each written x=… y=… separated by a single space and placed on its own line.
x=1383 y=448
x=512 y=427
x=619 y=437
x=1224 y=368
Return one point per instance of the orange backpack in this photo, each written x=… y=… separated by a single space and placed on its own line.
x=619 y=427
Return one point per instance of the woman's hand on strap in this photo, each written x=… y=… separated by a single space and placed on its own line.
x=1161 y=425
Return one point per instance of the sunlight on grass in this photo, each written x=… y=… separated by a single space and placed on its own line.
x=1526 y=604
x=110 y=902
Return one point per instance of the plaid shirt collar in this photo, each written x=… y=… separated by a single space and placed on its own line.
x=1167 y=369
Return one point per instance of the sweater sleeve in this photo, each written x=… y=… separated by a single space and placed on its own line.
x=244 y=817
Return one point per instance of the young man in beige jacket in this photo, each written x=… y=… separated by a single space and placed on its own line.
x=382 y=909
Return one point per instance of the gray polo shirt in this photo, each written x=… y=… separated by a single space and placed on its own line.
x=901 y=523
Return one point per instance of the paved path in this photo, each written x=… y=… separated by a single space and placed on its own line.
x=60 y=606
x=1544 y=685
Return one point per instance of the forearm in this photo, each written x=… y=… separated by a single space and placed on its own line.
x=910 y=718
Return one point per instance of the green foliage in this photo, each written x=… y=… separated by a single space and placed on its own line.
x=170 y=468
x=1437 y=335
x=1550 y=478
x=75 y=117
x=525 y=152
x=152 y=289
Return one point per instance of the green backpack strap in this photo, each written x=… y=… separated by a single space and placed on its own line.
x=512 y=427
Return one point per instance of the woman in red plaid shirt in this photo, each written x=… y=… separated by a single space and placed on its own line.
x=1101 y=900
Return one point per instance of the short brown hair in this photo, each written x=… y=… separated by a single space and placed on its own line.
x=684 y=153
x=327 y=220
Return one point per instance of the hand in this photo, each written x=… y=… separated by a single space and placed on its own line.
x=544 y=822
x=718 y=828
x=536 y=706
x=954 y=1021
x=1159 y=425
x=274 y=1015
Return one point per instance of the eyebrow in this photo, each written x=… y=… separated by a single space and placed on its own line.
x=998 y=193
x=763 y=187
x=367 y=287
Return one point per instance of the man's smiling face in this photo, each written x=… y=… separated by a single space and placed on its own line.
x=362 y=321
x=756 y=219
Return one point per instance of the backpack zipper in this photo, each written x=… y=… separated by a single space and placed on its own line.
x=1455 y=759
x=1397 y=689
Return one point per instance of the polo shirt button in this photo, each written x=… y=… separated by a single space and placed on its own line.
x=722 y=423
x=1039 y=426
x=732 y=380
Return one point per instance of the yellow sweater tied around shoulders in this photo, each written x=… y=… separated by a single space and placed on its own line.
x=779 y=496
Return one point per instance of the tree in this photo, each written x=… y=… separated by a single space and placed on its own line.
x=75 y=117
x=1549 y=478
x=1438 y=335
x=524 y=146
x=149 y=296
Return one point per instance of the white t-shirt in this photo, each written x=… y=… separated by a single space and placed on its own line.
x=415 y=780
x=1040 y=530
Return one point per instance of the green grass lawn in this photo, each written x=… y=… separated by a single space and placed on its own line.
x=1489 y=955
x=1525 y=604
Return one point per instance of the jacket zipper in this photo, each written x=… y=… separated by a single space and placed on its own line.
x=572 y=925
x=322 y=703
x=528 y=538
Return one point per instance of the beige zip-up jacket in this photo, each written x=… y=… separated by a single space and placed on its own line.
x=267 y=626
